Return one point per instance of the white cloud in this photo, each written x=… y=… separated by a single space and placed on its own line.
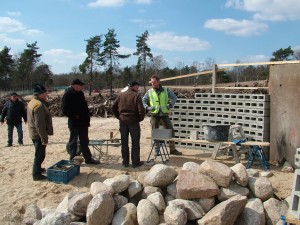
x=271 y=10
x=235 y=27
x=149 y=24
x=58 y=52
x=11 y=41
x=13 y=13
x=33 y=32
x=171 y=42
x=256 y=58
x=9 y=25
x=107 y=3
x=143 y=1
x=125 y=50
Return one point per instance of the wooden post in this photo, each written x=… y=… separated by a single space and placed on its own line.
x=213 y=78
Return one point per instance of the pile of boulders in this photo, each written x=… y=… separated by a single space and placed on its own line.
x=210 y=193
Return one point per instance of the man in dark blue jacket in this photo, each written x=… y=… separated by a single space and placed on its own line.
x=75 y=107
x=14 y=110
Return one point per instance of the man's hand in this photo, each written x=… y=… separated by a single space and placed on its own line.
x=2 y=123
x=150 y=108
x=169 y=106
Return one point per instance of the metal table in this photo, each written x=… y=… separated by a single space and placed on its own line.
x=98 y=144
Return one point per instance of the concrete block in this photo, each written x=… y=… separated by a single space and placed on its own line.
x=297 y=157
x=294 y=208
x=194 y=135
x=161 y=133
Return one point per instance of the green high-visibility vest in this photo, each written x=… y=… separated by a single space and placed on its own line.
x=159 y=102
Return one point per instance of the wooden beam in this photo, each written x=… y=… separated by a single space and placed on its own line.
x=190 y=75
x=246 y=88
x=258 y=63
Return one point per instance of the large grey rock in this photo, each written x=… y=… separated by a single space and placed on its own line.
x=172 y=189
x=160 y=175
x=194 y=167
x=175 y=215
x=148 y=190
x=158 y=200
x=240 y=174
x=33 y=211
x=126 y=215
x=225 y=213
x=56 y=218
x=78 y=204
x=232 y=190
x=147 y=213
x=219 y=172
x=273 y=210
x=100 y=209
x=98 y=187
x=134 y=188
x=119 y=200
x=206 y=203
x=63 y=205
x=194 y=210
x=261 y=187
x=119 y=183
x=195 y=185
x=253 y=213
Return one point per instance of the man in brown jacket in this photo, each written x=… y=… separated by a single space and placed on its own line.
x=128 y=109
x=39 y=126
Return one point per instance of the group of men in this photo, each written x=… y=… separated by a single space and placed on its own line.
x=129 y=108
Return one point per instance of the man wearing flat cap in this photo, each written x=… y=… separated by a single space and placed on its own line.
x=75 y=107
x=39 y=127
x=14 y=110
x=128 y=109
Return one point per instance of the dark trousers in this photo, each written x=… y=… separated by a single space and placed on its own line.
x=135 y=133
x=167 y=124
x=10 y=131
x=82 y=134
x=39 y=156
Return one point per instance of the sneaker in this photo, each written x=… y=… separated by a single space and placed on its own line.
x=175 y=152
x=8 y=145
x=92 y=161
x=39 y=177
x=138 y=164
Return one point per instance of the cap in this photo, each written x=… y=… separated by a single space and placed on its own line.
x=133 y=83
x=39 y=89
x=13 y=94
x=77 y=81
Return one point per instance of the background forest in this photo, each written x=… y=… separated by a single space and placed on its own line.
x=101 y=68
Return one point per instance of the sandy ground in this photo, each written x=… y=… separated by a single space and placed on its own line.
x=17 y=189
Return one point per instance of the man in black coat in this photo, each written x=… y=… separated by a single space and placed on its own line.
x=14 y=110
x=75 y=107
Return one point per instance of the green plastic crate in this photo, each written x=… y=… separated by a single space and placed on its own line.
x=62 y=176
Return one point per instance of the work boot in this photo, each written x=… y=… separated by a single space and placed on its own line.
x=8 y=145
x=175 y=152
x=39 y=177
x=138 y=164
x=92 y=161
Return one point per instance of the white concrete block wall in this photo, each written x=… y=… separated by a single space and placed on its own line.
x=251 y=111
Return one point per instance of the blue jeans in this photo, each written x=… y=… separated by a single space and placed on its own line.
x=82 y=134
x=135 y=133
x=10 y=130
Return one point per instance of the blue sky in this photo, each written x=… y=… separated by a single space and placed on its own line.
x=181 y=31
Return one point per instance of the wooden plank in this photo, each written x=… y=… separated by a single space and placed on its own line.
x=291 y=219
x=258 y=143
x=258 y=63
x=245 y=88
x=189 y=75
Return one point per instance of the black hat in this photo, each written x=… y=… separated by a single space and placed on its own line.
x=133 y=83
x=39 y=89
x=77 y=81
x=13 y=94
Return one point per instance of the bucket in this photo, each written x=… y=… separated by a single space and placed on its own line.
x=216 y=132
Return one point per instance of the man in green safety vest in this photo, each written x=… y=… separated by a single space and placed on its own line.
x=158 y=101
